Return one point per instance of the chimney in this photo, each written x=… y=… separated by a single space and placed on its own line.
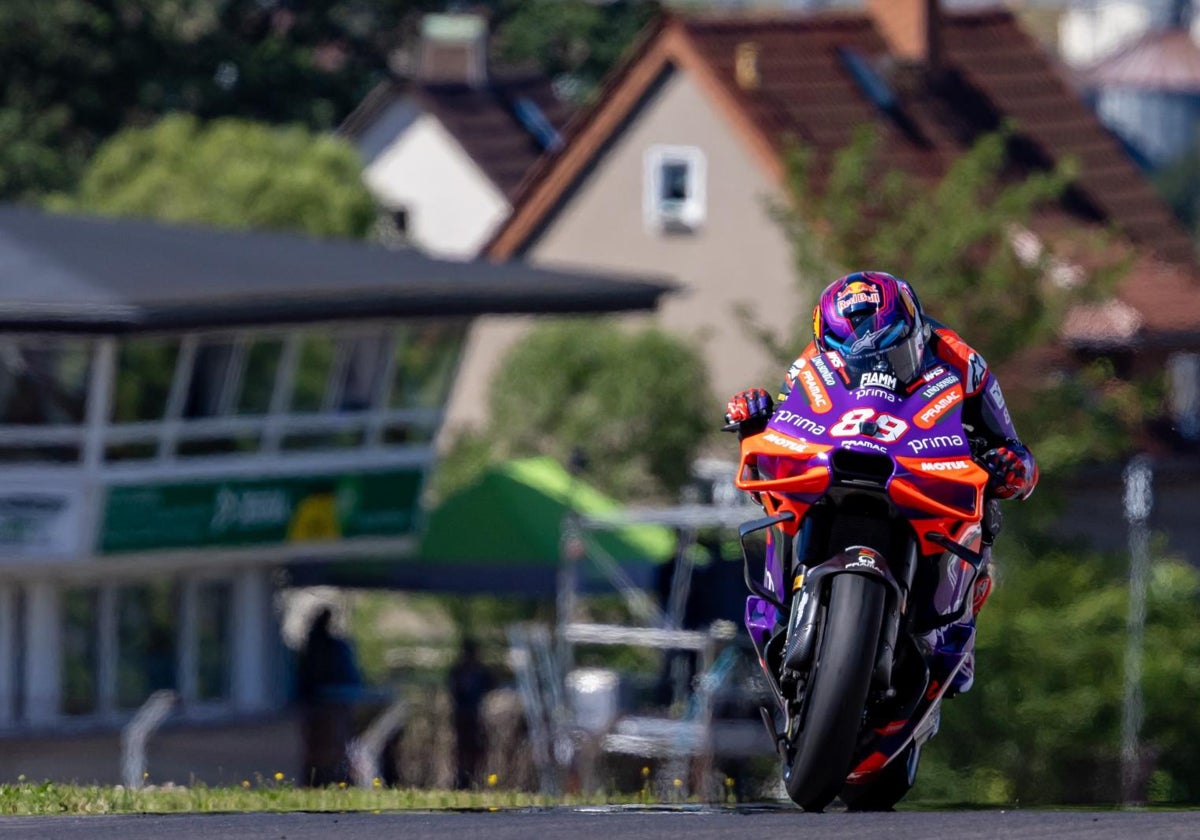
x=453 y=49
x=745 y=63
x=912 y=29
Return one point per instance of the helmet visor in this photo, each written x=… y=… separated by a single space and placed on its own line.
x=896 y=347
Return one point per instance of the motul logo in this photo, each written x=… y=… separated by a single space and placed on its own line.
x=943 y=466
x=786 y=443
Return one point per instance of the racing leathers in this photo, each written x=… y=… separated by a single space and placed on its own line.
x=995 y=444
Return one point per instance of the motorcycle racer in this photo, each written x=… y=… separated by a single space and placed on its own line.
x=875 y=325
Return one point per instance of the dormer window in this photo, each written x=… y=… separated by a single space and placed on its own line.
x=674 y=189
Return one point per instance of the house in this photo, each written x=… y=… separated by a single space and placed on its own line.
x=446 y=149
x=1148 y=90
x=674 y=168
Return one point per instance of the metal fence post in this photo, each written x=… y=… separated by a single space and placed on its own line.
x=138 y=731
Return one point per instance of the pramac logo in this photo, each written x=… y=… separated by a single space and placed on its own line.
x=818 y=397
x=855 y=293
x=938 y=408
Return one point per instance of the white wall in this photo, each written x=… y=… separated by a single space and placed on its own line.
x=739 y=258
x=453 y=208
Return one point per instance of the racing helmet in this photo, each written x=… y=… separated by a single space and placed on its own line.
x=874 y=321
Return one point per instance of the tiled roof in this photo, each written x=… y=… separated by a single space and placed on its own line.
x=805 y=87
x=994 y=71
x=484 y=120
x=1167 y=61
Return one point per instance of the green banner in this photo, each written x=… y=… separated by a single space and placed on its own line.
x=260 y=512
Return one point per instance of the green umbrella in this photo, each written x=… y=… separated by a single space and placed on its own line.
x=513 y=515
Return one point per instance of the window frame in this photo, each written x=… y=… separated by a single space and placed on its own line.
x=692 y=211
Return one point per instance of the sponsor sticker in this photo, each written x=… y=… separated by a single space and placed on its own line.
x=799 y=421
x=786 y=443
x=823 y=369
x=976 y=372
x=939 y=386
x=938 y=408
x=856 y=293
x=933 y=374
x=877 y=379
x=874 y=394
x=818 y=398
x=919 y=445
x=943 y=466
x=865 y=444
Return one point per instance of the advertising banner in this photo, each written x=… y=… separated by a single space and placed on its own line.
x=261 y=511
x=39 y=522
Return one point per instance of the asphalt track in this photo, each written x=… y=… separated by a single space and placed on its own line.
x=618 y=824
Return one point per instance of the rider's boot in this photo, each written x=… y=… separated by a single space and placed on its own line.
x=958 y=639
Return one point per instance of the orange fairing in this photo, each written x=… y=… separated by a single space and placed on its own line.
x=793 y=474
x=961 y=475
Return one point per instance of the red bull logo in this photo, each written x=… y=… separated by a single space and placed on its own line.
x=856 y=293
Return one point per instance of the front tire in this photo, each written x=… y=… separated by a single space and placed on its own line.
x=821 y=754
x=888 y=787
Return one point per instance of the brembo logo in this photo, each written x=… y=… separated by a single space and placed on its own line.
x=935 y=411
x=943 y=466
x=938 y=442
x=799 y=421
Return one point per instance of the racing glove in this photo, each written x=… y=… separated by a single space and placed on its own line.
x=1013 y=471
x=747 y=411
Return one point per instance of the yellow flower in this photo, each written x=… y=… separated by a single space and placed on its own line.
x=376 y=782
x=679 y=783
x=492 y=779
x=645 y=772
x=245 y=783
x=342 y=785
x=728 y=781
x=278 y=776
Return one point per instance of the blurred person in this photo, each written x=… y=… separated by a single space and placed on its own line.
x=470 y=681
x=328 y=684
x=875 y=324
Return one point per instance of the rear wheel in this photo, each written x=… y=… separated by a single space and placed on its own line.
x=820 y=756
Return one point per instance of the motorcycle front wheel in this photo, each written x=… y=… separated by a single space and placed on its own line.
x=820 y=755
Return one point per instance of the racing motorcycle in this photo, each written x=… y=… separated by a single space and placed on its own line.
x=875 y=513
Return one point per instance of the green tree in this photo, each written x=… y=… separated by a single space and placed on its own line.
x=74 y=72
x=955 y=240
x=228 y=173
x=637 y=404
x=1042 y=723
x=571 y=40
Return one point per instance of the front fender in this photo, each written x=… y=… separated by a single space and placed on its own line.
x=859 y=560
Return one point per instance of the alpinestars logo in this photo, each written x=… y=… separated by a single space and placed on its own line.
x=976 y=372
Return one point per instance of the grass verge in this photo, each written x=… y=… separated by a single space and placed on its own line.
x=262 y=794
